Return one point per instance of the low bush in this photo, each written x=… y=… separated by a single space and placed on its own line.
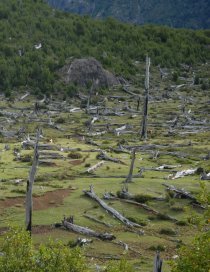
x=75 y=155
x=168 y=231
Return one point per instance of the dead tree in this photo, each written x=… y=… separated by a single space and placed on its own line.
x=93 y=87
x=30 y=181
x=129 y=178
x=158 y=263
x=145 y=110
x=138 y=104
x=68 y=224
x=111 y=210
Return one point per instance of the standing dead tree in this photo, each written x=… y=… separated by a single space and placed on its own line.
x=158 y=263
x=32 y=173
x=130 y=175
x=145 y=110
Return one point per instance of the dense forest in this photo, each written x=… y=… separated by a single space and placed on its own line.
x=186 y=13
x=36 y=40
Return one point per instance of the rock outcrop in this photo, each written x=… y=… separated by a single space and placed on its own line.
x=85 y=71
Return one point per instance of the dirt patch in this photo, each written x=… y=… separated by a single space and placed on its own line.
x=42 y=229
x=49 y=199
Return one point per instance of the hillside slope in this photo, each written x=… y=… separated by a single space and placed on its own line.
x=36 y=41
x=187 y=13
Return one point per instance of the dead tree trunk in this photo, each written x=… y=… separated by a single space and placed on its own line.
x=86 y=231
x=29 y=202
x=158 y=263
x=138 y=104
x=129 y=178
x=145 y=110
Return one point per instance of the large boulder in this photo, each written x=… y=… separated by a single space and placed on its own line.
x=88 y=70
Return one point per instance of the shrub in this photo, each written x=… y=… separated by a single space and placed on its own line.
x=181 y=223
x=26 y=158
x=157 y=248
x=142 y=198
x=75 y=155
x=19 y=254
x=194 y=257
x=60 y=120
x=167 y=231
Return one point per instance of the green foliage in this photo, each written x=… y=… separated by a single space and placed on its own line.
x=187 y=13
x=122 y=266
x=25 y=24
x=142 y=198
x=168 y=231
x=195 y=256
x=19 y=254
x=75 y=155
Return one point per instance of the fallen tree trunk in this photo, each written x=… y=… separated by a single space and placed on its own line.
x=111 y=210
x=94 y=167
x=97 y=220
x=104 y=156
x=205 y=176
x=181 y=193
x=149 y=209
x=87 y=231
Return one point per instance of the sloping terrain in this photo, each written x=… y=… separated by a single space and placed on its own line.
x=36 y=41
x=76 y=138
x=184 y=14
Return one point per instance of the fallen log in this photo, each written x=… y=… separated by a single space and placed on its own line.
x=149 y=209
x=205 y=176
x=94 y=167
x=91 y=142
x=87 y=231
x=181 y=193
x=182 y=173
x=97 y=133
x=126 y=247
x=97 y=220
x=111 y=210
x=104 y=156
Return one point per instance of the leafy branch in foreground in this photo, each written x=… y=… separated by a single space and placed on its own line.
x=195 y=257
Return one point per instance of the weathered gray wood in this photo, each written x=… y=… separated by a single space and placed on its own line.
x=158 y=263
x=111 y=210
x=149 y=209
x=129 y=178
x=30 y=181
x=145 y=110
x=104 y=156
x=181 y=193
x=94 y=167
x=87 y=231
x=205 y=176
